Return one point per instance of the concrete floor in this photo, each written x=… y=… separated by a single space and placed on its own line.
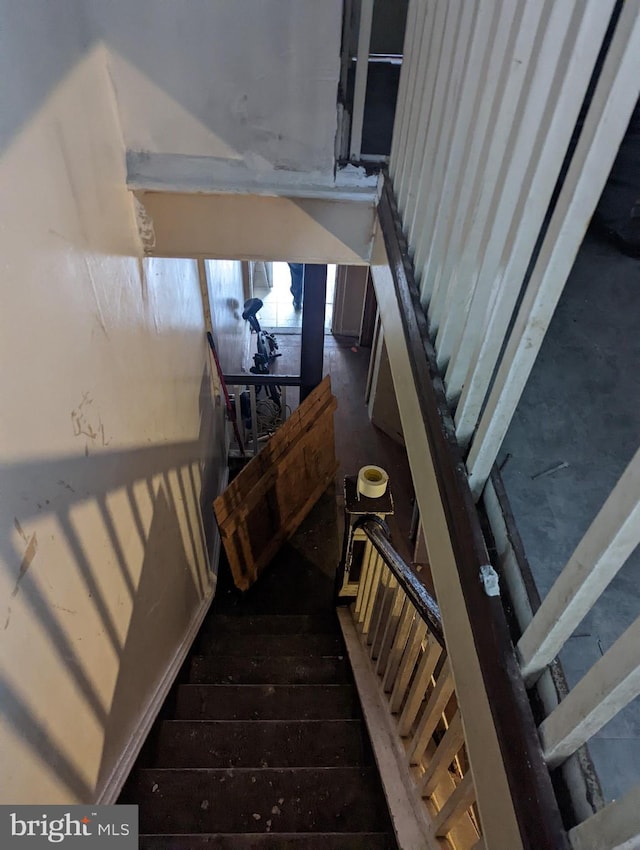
x=582 y=406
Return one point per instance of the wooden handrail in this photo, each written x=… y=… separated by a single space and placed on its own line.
x=420 y=598
x=250 y=379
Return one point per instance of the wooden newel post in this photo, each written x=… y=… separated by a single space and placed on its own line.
x=353 y=544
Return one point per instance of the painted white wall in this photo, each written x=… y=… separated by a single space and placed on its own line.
x=252 y=81
x=226 y=301
x=348 y=299
x=243 y=226
x=109 y=436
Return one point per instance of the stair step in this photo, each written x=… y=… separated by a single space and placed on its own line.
x=270 y=841
x=266 y=702
x=272 y=624
x=259 y=670
x=256 y=743
x=235 y=643
x=329 y=799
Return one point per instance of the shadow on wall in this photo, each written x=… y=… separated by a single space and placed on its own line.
x=27 y=27
x=163 y=61
x=166 y=487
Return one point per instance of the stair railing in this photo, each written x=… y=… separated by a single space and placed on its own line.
x=256 y=427
x=400 y=630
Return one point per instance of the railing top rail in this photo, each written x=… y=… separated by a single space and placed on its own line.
x=250 y=379
x=420 y=598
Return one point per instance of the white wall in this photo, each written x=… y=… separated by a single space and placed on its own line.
x=253 y=81
x=348 y=301
x=226 y=301
x=305 y=230
x=108 y=434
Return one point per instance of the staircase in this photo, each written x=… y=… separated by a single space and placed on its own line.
x=262 y=742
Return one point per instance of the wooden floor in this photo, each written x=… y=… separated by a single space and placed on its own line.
x=358 y=442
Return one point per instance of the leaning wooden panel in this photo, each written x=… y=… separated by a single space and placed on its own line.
x=301 y=420
x=268 y=500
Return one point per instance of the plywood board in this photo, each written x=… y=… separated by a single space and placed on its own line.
x=267 y=501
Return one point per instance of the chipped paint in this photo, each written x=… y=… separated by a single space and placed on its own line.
x=145 y=225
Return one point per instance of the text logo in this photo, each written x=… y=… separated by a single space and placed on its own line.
x=36 y=827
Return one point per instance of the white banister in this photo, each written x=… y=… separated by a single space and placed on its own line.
x=410 y=54
x=429 y=193
x=549 y=116
x=433 y=211
x=461 y=324
x=615 y=96
x=399 y=642
x=616 y=827
x=362 y=72
x=421 y=102
x=610 y=685
x=447 y=750
x=410 y=821
x=610 y=539
x=432 y=713
x=389 y=585
x=397 y=608
x=456 y=805
x=419 y=686
x=407 y=664
x=436 y=254
x=461 y=18
x=450 y=292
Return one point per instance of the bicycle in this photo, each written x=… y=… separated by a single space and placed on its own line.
x=269 y=409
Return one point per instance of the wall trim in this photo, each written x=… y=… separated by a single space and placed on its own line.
x=170 y=172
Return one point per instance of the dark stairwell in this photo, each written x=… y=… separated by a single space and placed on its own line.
x=261 y=743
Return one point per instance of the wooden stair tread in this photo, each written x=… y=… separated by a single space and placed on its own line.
x=280 y=624
x=269 y=841
x=266 y=702
x=236 y=643
x=281 y=670
x=326 y=799
x=260 y=743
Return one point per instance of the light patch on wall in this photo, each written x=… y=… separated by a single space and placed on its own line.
x=29 y=739
x=71 y=216
x=75 y=670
